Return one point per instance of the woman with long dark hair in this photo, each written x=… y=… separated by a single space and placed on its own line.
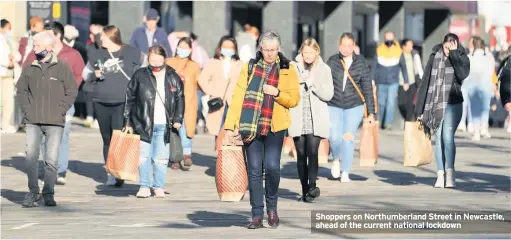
x=154 y=105
x=111 y=68
x=218 y=80
x=189 y=72
x=440 y=102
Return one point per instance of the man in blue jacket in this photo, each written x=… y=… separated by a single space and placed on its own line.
x=389 y=61
x=146 y=36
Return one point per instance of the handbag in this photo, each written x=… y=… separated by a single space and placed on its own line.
x=217 y=103
x=175 y=146
x=369 y=134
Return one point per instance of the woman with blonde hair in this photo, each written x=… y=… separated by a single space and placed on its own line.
x=307 y=127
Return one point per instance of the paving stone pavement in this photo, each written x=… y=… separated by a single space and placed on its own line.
x=87 y=209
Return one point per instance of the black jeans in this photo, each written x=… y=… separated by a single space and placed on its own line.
x=53 y=136
x=265 y=150
x=89 y=105
x=110 y=118
x=307 y=147
x=405 y=102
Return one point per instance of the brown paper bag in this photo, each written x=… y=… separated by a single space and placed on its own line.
x=369 y=143
x=231 y=174
x=418 y=149
x=123 y=156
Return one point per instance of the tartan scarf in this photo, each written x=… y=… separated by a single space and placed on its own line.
x=257 y=108
x=437 y=97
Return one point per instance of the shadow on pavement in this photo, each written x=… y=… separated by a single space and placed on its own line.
x=205 y=161
x=127 y=190
x=94 y=171
x=201 y=219
x=289 y=171
x=13 y=196
x=18 y=163
x=465 y=181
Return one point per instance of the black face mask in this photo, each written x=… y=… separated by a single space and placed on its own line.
x=308 y=65
x=156 y=69
x=41 y=55
x=33 y=33
x=389 y=43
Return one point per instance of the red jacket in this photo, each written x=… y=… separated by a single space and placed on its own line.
x=68 y=55
x=22 y=48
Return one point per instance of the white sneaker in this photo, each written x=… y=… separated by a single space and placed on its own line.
x=345 y=177
x=476 y=137
x=509 y=128
x=440 y=179
x=61 y=181
x=462 y=127
x=450 y=180
x=159 y=193
x=201 y=123
x=95 y=124
x=110 y=180
x=485 y=134
x=470 y=128
x=336 y=169
x=144 y=192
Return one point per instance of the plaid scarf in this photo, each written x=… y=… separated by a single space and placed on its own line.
x=438 y=93
x=257 y=109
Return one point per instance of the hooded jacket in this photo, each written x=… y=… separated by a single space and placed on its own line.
x=388 y=63
x=458 y=59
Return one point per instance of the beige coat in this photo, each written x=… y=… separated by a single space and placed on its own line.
x=214 y=84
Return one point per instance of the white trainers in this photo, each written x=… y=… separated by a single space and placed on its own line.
x=110 y=180
x=159 y=193
x=61 y=181
x=345 y=177
x=485 y=134
x=440 y=179
x=450 y=180
x=336 y=168
x=470 y=128
x=476 y=137
x=144 y=192
x=462 y=127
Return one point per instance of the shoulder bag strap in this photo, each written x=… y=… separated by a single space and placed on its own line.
x=356 y=87
x=159 y=96
x=120 y=68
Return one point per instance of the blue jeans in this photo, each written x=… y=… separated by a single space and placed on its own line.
x=267 y=149
x=35 y=135
x=445 y=148
x=200 y=94
x=154 y=155
x=64 y=144
x=387 y=98
x=466 y=117
x=480 y=96
x=185 y=140
x=344 y=122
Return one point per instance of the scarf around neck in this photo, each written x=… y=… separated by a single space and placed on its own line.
x=257 y=108
x=437 y=98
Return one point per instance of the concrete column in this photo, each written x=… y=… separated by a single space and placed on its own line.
x=436 y=26
x=211 y=21
x=339 y=18
x=392 y=18
x=127 y=16
x=177 y=16
x=281 y=17
x=16 y=13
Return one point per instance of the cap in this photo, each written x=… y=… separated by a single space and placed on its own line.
x=152 y=14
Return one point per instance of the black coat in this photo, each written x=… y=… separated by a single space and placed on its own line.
x=505 y=81
x=140 y=100
x=361 y=74
x=458 y=59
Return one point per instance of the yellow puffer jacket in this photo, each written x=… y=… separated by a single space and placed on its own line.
x=289 y=97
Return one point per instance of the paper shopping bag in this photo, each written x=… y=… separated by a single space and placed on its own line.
x=231 y=174
x=369 y=139
x=418 y=149
x=123 y=156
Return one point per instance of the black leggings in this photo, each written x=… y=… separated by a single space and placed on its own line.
x=110 y=118
x=307 y=147
x=89 y=106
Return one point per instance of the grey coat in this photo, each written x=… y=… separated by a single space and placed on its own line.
x=322 y=88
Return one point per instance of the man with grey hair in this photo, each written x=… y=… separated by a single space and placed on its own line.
x=259 y=118
x=46 y=90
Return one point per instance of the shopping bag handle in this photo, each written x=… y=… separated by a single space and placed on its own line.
x=127 y=130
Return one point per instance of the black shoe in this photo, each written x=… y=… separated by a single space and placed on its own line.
x=306 y=199
x=118 y=183
x=256 y=223
x=49 y=201
x=31 y=200
x=273 y=219
x=314 y=192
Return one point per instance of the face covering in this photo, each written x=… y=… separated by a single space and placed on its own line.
x=183 y=53
x=308 y=65
x=156 y=69
x=389 y=43
x=41 y=55
x=8 y=34
x=227 y=52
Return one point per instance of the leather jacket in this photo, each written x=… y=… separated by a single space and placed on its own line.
x=141 y=96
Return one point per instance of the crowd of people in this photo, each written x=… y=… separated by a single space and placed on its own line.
x=156 y=84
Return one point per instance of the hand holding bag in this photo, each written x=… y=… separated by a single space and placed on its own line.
x=231 y=171
x=369 y=134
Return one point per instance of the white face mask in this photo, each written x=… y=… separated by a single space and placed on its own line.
x=8 y=34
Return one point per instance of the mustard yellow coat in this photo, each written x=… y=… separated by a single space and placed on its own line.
x=289 y=97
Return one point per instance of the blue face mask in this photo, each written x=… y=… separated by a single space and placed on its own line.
x=227 y=52
x=183 y=53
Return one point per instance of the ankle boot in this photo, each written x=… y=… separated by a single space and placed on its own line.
x=450 y=180
x=440 y=179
